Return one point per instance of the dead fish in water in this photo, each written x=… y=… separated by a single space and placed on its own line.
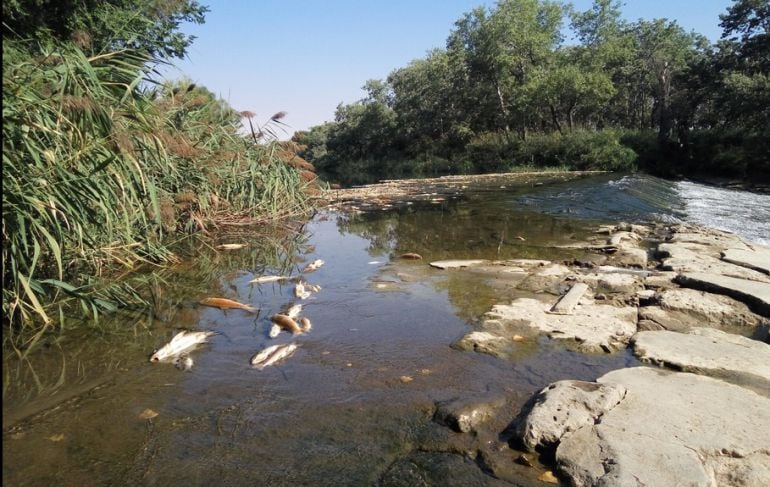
x=183 y=362
x=182 y=341
x=294 y=311
x=286 y=323
x=300 y=292
x=313 y=266
x=264 y=279
x=275 y=330
x=410 y=255
x=231 y=246
x=313 y=287
x=306 y=324
x=272 y=355
x=223 y=303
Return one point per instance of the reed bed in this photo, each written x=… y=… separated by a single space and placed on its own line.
x=104 y=171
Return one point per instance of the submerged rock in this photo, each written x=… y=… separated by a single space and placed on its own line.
x=672 y=428
x=706 y=351
x=466 y=415
x=455 y=264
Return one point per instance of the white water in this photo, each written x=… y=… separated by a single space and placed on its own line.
x=741 y=212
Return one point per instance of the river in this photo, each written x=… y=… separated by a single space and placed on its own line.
x=353 y=406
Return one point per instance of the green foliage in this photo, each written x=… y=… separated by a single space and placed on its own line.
x=98 y=174
x=506 y=91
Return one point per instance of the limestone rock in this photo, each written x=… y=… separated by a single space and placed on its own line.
x=454 y=264
x=680 y=309
x=672 y=428
x=594 y=327
x=757 y=259
x=484 y=342
x=612 y=282
x=754 y=293
x=561 y=408
x=706 y=351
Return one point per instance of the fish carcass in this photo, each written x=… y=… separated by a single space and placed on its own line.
x=273 y=354
x=300 y=292
x=182 y=341
x=294 y=311
x=224 y=303
x=313 y=266
x=264 y=279
x=286 y=323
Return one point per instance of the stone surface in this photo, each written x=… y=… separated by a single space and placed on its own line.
x=630 y=256
x=681 y=309
x=757 y=259
x=566 y=304
x=706 y=351
x=546 y=278
x=754 y=293
x=672 y=428
x=593 y=327
x=612 y=282
x=484 y=342
x=561 y=408
x=466 y=415
x=678 y=258
x=454 y=264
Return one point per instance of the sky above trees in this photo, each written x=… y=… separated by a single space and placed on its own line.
x=306 y=57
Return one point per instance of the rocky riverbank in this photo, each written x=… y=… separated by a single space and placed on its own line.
x=694 y=304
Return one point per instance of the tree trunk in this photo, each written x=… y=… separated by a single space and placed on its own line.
x=503 y=109
x=555 y=118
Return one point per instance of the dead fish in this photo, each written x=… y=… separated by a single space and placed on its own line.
x=286 y=323
x=264 y=279
x=223 y=303
x=272 y=355
x=313 y=266
x=275 y=330
x=299 y=291
x=231 y=246
x=306 y=324
x=294 y=311
x=182 y=341
x=410 y=255
x=313 y=287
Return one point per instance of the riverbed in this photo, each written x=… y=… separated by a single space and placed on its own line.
x=354 y=404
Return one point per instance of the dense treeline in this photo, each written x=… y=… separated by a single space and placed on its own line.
x=508 y=91
x=102 y=165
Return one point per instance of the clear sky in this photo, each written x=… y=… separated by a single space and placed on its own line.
x=306 y=56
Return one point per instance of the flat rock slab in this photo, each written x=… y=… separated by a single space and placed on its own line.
x=672 y=428
x=757 y=259
x=706 y=351
x=680 y=259
x=594 y=327
x=455 y=264
x=754 y=293
x=682 y=308
x=612 y=282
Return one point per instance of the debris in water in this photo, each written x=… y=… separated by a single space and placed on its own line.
x=273 y=354
x=294 y=311
x=275 y=330
x=264 y=279
x=524 y=460
x=517 y=338
x=313 y=287
x=231 y=246
x=56 y=438
x=313 y=266
x=299 y=291
x=306 y=324
x=548 y=477
x=148 y=414
x=374 y=262
x=181 y=342
x=224 y=303
x=184 y=362
x=286 y=323
x=405 y=379
x=519 y=237
x=410 y=255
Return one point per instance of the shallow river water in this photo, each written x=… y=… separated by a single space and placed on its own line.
x=353 y=406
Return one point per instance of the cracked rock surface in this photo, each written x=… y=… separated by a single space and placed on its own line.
x=653 y=438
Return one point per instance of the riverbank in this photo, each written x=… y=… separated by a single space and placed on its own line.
x=690 y=302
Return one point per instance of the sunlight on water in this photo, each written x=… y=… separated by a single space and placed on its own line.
x=741 y=212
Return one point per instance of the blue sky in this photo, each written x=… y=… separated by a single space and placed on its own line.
x=306 y=56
